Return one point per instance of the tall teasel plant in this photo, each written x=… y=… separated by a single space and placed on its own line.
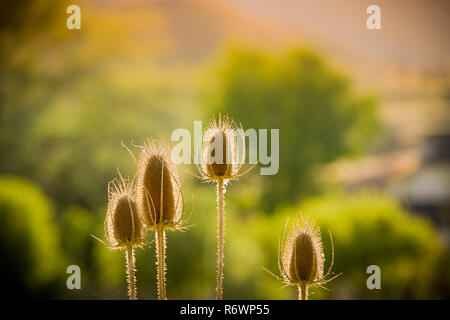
x=123 y=227
x=159 y=199
x=220 y=163
x=301 y=258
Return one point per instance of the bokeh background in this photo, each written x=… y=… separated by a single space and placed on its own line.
x=364 y=140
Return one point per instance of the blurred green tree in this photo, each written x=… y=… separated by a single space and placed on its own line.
x=32 y=260
x=77 y=225
x=62 y=112
x=319 y=116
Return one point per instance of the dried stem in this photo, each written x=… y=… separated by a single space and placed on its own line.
x=129 y=255
x=302 y=292
x=161 y=262
x=220 y=236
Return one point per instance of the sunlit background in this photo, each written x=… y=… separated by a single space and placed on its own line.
x=364 y=120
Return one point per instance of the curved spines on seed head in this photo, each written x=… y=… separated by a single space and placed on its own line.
x=301 y=258
x=159 y=197
x=160 y=200
x=123 y=226
x=221 y=158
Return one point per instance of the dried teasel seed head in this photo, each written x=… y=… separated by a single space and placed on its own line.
x=221 y=159
x=301 y=259
x=222 y=168
x=302 y=255
x=123 y=226
x=159 y=196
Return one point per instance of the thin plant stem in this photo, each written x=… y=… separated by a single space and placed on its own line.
x=220 y=236
x=302 y=292
x=129 y=255
x=161 y=262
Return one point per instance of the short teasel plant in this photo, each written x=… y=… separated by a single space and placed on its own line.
x=123 y=227
x=159 y=199
x=301 y=258
x=221 y=162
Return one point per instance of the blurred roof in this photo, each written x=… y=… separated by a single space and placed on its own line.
x=373 y=171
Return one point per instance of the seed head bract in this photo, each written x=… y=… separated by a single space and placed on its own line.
x=123 y=226
x=159 y=197
x=222 y=155
x=302 y=256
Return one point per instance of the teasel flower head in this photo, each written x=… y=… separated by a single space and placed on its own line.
x=221 y=158
x=301 y=258
x=123 y=226
x=159 y=197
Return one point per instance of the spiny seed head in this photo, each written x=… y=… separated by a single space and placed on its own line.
x=159 y=198
x=221 y=159
x=302 y=257
x=123 y=226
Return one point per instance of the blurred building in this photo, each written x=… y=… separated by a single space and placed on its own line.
x=427 y=190
x=419 y=177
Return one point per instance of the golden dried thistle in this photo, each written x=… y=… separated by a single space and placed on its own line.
x=301 y=258
x=159 y=197
x=221 y=159
x=123 y=227
x=160 y=200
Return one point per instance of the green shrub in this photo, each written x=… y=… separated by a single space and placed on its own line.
x=29 y=241
x=371 y=228
x=367 y=228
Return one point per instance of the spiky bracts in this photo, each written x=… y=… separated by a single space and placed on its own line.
x=222 y=158
x=302 y=255
x=301 y=258
x=159 y=197
x=160 y=200
x=123 y=226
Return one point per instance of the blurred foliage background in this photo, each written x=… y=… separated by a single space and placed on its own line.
x=68 y=99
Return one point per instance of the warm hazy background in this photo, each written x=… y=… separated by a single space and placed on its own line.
x=364 y=120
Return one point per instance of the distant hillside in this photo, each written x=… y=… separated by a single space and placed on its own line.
x=190 y=30
x=413 y=31
x=407 y=62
